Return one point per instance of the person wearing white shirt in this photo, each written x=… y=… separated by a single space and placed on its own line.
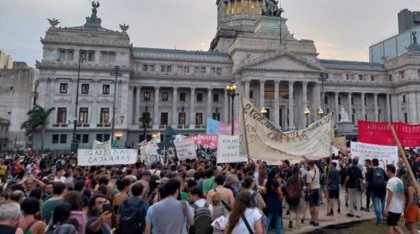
x=242 y=210
x=394 y=202
x=196 y=197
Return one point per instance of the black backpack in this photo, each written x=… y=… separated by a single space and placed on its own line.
x=378 y=180
x=202 y=220
x=132 y=217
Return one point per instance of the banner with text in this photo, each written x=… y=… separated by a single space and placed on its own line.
x=267 y=142
x=379 y=133
x=185 y=150
x=86 y=157
x=385 y=154
x=228 y=150
x=149 y=152
x=208 y=141
x=102 y=145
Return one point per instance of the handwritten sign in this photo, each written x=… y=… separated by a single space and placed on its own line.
x=149 y=153
x=228 y=150
x=185 y=150
x=101 y=145
x=385 y=154
x=86 y=157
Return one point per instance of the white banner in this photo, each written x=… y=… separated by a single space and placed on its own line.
x=185 y=150
x=267 y=142
x=86 y=157
x=228 y=150
x=102 y=145
x=385 y=154
x=149 y=153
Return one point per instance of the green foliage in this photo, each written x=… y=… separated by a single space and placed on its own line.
x=37 y=119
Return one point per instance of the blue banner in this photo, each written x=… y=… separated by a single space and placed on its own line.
x=212 y=126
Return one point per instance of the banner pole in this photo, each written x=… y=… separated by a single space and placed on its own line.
x=404 y=157
x=243 y=125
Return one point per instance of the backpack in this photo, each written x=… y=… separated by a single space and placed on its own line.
x=378 y=180
x=132 y=217
x=293 y=193
x=202 y=220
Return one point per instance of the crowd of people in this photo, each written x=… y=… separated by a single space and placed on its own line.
x=50 y=194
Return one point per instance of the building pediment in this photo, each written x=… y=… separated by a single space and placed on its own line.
x=282 y=61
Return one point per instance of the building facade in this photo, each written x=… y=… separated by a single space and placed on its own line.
x=182 y=88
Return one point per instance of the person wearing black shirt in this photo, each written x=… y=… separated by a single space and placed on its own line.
x=378 y=188
x=353 y=178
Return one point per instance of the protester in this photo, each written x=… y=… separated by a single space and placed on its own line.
x=394 y=205
x=354 y=186
x=376 y=179
x=313 y=186
x=59 y=191
x=368 y=188
x=99 y=220
x=294 y=190
x=9 y=218
x=60 y=223
x=227 y=194
x=243 y=218
x=75 y=199
x=411 y=208
x=29 y=224
x=274 y=199
x=333 y=189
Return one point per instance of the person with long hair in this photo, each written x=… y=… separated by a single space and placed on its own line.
x=75 y=199
x=411 y=209
x=274 y=200
x=241 y=213
x=295 y=184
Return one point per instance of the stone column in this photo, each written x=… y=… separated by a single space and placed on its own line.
x=257 y=5
x=247 y=88
x=226 y=107
x=317 y=101
x=362 y=96
x=262 y=84
x=242 y=7
x=337 y=110
x=388 y=107
x=209 y=105
x=192 y=107
x=375 y=104
x=174 y=107
x=291 y=106
x=276 y=103
x=350 y=110
x=306 y=119
x=137 y=108
x=156 y=109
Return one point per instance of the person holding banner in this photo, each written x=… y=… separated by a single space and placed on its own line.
x=411 y=209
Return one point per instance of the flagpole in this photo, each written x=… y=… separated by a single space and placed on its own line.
x=404 y=157
x=243 y=125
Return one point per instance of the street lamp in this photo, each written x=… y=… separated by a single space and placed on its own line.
x=231 y=92
x=117 y=73
x=323 y=77
x=74 y=141
x=320 y=112
x=307 y=112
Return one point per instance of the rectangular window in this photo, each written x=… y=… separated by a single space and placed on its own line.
x=55 y=139
x=83 y=115
x=91 y=56
x=199 y=118
x=63 y=139
x=213 y=70
x=216 y=116
x=182 y=97
x=63 y=87
x=169 y=69
x=104 y=117
x=405 y=118
x=61 y=115
x=403 y=97
x=219 y=71
x=85 y=89
x=196 y=70
x=105 y=89
x=251 y=94
x=144 y=67
x=85 y=138
x=215 y=97
x=165 y=96
x=203 y=70
x=181 y=118
x=352 y=100
x=152 y=68
x=360 y=77
x=146 y=96
x=339 y=100
x=186 y=70
x=372 y=77
x=199 y=97
x=164 y=118
x=106 y=137
x=99 y=137
x=83 y=55
x=61 y=55
x=162 y=68
x=70 y=55
x=402 y=74
x=326 y=100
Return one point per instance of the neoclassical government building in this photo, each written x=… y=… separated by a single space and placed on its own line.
x=252 y=47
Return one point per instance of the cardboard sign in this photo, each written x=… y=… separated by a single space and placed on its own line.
x=86 y=157
x=228 y=150
x=185 y=150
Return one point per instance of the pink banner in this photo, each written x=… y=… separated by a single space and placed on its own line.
x=225 y=128
x=206 y=140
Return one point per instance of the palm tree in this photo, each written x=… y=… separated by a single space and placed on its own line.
x=145 y=119
x=38 y=119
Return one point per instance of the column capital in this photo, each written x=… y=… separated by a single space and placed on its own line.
x=209 y=88
x=276 y=82
x=157 y=87
x=175 y=87
x=305 y=82
x=262 y=81
x=291 y=82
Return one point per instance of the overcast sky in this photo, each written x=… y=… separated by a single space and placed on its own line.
x=341 y=29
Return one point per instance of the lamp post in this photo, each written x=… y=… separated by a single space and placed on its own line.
x=307 y=112
x=231 y=92
x=117 y=73
x=263 y=111
x=323 y=77
x=74 y=141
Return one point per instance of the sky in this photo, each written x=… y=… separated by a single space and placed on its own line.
x=341 y=29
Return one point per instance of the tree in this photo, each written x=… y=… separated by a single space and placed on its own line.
x=145 y=119
x=37 y=120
